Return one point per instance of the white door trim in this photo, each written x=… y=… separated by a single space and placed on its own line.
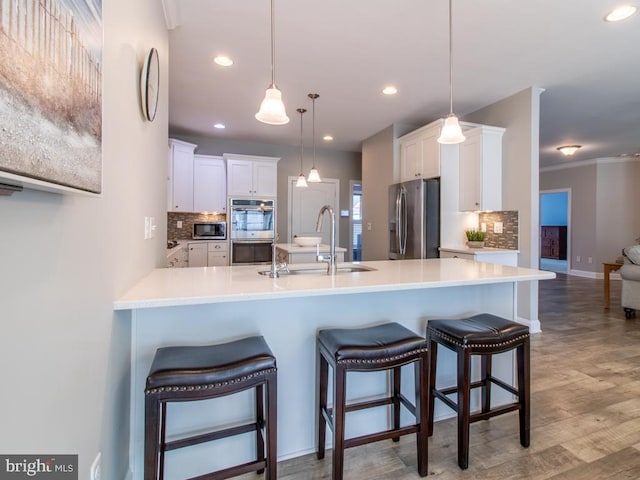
x=336 y=205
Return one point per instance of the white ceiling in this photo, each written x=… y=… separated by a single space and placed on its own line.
x=347 y=50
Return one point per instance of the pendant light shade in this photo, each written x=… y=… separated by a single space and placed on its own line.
x=451 y=132
x=272 y=109
x=314 y=176
x=301 y=182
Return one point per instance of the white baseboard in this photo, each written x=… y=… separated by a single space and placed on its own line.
x=534 y=325
x=582 y=273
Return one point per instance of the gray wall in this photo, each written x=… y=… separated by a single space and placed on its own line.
x=64 y=356
x=604 y=193
x=520 y=115
x=344 y=166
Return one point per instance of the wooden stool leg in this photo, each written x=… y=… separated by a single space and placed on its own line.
x=151 y=437
x=395 y=381
x=524 y=392
x=323 y=375
x=339 y=401
x=464 y=394
x=421 y=368
x=260 y=421
x=433 y=359
x=272 y=425
x=485 y=366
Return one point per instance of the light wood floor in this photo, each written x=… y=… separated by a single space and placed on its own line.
x=585 y=406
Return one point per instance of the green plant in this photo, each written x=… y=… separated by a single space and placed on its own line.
x=475 y=235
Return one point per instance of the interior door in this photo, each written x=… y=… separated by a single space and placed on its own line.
x=305 y=203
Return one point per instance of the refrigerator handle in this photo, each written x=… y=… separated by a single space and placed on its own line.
x=398 y=226
x=402 y=221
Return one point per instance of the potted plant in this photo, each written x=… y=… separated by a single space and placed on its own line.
x=475 y=238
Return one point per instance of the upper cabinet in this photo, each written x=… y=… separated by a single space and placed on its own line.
x=209 y=184
x=481 y=169
x=420 y=153
x=180 y=176
x=251 y=176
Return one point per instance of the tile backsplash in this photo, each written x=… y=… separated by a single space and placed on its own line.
x=188 y=219
x=509 y=236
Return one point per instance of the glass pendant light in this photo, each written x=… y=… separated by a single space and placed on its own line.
x=302 y=182
x=451 y=132
x=314 y=176
x=272 y=109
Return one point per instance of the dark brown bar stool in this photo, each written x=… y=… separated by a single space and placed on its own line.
x=383 y=347
x=482 y=335
x=182 y=374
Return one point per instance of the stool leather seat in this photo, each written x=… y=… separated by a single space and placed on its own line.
x=373 y=343
x=385 y=347
x=479 y=329
x=201 y=365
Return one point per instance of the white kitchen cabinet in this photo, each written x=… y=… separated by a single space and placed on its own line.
x=291 y=253
x=490 y=255
x=217 y=254
x=209 y=184
x=208 y=254
x=420 y=153
x=481 y=169
x=178 y=258
x=180 y=176
x=251 y=176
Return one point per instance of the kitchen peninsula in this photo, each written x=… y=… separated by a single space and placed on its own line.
x=199 y=306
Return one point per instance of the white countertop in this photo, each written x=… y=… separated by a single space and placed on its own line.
x=477 y=251
x=295 y=248
x=165 y=287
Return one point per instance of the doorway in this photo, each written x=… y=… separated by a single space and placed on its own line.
x=305 y=203
x=555 y=237
x=355 y=224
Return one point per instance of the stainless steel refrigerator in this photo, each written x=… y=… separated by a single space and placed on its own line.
x=414 y=219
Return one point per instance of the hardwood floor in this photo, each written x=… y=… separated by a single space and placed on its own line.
x=585 y=369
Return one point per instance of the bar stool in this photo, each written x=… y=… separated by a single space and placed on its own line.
x=383 y=347
x=482 y=335
x=191 y=373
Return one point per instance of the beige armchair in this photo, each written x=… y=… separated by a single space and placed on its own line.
x=630 y=273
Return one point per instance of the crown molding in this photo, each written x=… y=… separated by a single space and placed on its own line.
x=172 y=15
x=586 y=163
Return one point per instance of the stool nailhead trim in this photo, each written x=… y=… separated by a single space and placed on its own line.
x=384 y=360
x=437 y=333
x=191 y=388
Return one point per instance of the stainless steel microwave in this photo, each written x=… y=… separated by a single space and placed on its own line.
x=210 y=231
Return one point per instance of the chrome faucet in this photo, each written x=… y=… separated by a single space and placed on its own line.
x=331 y=258
x=276 y=268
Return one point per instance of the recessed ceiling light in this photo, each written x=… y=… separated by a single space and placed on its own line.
x=223 y=61
x=389 y=90
x=220 y=126
x=621 y=13
x=569 y=150
x=327 y=138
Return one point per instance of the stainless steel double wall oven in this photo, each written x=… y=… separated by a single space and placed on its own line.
x=252 y=230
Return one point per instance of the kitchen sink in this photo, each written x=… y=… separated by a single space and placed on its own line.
x=319 y=270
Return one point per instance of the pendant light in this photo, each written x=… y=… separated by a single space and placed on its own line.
x=451 y=132
x=314 y=176
x=302 y=182
x=272 y=109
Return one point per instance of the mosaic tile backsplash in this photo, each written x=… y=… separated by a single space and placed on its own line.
x=509 y=236
x=188 y=219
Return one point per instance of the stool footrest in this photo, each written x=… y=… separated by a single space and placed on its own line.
x=476 y=417
x=233 y=471
x=208 y=437
x=375 y=437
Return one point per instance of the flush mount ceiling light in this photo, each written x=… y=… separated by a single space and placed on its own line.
x=302 y=182
x=389 y=90
x=314 y=176
x=568 y=150
x=223 y=61
x=219 y=126
x=621 y=13
x=272 y=109
x=328 y=138
x=451 y=132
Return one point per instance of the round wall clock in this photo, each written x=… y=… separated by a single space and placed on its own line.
x=149 y=85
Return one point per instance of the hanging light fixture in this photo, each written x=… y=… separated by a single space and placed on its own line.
x=302 y=182
x=272 y=109
x=314 y=176
x=451 y=132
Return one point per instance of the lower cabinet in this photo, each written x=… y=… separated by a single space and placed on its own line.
x=178 y=258
x=208 y=254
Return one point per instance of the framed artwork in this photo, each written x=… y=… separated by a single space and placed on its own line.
x=51 y=92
